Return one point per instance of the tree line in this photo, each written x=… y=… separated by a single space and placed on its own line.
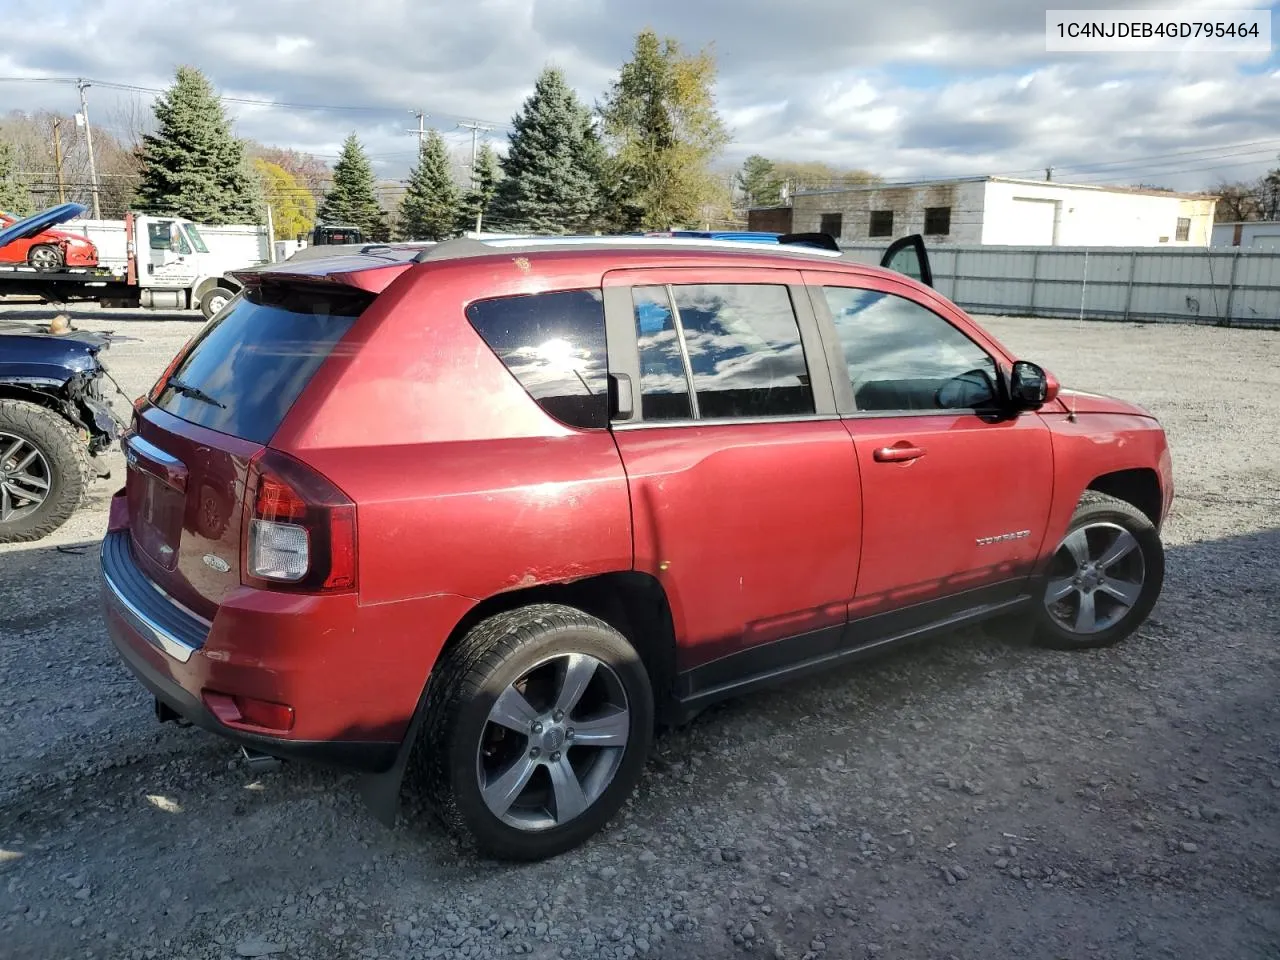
x=642 y=158
x=1257 y=199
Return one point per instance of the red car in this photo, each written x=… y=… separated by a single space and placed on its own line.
x=47 y=250
x=497 y=508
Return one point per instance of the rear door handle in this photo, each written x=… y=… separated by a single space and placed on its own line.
x=898 y=454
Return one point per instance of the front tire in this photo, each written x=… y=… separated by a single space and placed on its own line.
x=1104 y=578
x=537 y=730
x=46 y=258
x=44 y=471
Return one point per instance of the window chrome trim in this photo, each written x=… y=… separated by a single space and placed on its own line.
x=723 y=421
x=999 y=413
x=147 y=628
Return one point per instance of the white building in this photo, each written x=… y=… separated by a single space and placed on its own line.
x=1001 y=210
x=1250 y=234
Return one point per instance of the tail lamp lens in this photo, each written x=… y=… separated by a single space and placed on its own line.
x=300 y=529
x=278 y=551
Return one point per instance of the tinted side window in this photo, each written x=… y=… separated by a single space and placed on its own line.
x=159 y=235
x=904 y=357
x=554 y=344
x=744 y=349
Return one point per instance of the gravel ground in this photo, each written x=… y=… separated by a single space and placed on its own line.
x=976 y=797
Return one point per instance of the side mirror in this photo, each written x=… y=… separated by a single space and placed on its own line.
x=1031 y=386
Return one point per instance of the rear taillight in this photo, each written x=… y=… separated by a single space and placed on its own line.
x=299 y=529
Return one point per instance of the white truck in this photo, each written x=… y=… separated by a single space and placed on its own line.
x=143 y=261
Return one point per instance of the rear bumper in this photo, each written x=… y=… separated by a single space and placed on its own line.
x=163 y=645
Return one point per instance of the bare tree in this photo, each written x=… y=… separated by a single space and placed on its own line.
x=1236 y=201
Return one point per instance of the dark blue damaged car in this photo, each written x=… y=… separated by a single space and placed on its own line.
x=55 y=423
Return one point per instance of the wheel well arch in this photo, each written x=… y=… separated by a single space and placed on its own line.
x=207 y=284
x=633 y=603
x=1139 y=486
x=45 y=398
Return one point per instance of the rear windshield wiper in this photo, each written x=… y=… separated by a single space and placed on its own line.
x=194 y=392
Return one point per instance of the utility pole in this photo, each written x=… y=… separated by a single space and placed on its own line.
x=1048 y=173
x=475 y=128
x=57 y=158
x=422 y=128
x=88 y=139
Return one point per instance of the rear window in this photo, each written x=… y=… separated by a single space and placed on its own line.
x=249 y=365
x=554 y=344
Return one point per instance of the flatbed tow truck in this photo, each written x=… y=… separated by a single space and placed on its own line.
x=167 y=266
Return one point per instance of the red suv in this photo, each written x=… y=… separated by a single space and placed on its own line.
x=500 y=507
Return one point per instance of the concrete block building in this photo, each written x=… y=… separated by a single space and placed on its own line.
x=999 y=210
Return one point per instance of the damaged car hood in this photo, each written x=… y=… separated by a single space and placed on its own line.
x=39 y=222
x=28 y=354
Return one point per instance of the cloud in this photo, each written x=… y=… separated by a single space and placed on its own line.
x=921 y=88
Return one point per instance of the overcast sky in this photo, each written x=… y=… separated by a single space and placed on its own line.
x=905 y=88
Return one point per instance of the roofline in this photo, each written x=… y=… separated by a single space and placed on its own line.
x=1247 y=223
x=1105 y=188
x=947 y=181
x=864 y=187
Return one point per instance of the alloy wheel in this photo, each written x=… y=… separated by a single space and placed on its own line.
x=552 y=742
x=45 y=259
x=25 y=478
x=1095 y=578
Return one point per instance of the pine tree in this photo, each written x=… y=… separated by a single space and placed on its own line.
x=429 y=210
x=14 y=196
x=661 y=119
x=351 y=199
x=192 y=166
x=760 y=182
x=484 y=185
x=552 y=165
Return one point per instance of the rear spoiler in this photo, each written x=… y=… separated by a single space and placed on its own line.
x=370 y=274
x=823 y=241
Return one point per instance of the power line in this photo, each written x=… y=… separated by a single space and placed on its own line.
x=250 y=101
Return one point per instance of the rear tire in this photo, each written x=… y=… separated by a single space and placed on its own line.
x=1104 y=578
x=531 y=786
x=46 y=258
x=61 y=460
x=214 y=300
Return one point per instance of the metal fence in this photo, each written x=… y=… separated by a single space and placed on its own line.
x=1227 y=286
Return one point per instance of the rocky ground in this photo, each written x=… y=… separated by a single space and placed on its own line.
x=975 y=797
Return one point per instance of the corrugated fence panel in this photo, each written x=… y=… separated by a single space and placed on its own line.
x=1197 y=285
x=1256 y=292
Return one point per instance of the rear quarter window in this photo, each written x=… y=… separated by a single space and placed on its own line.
x=249 y=365
x=554 y=345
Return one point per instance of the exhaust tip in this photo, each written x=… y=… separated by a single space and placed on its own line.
x=260 y=762
x=166 y=714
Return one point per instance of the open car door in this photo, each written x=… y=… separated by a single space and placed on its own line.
x=907 y=255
